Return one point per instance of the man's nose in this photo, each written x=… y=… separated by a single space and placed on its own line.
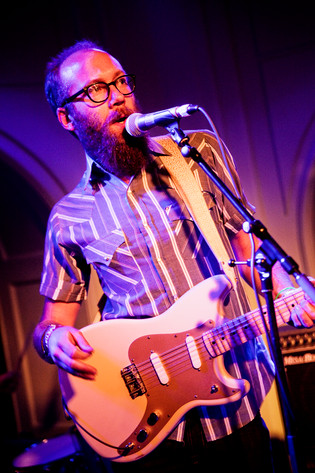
x=115 y=97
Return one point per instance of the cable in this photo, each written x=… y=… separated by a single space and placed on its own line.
x=222 y=149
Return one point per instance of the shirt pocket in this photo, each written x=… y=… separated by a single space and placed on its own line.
x=176 y=209
x=102 y=250
x=116 y=269
x=184 y=228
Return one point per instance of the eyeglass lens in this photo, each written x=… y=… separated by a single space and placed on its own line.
x=99 y=92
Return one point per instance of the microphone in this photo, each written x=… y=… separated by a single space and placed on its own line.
x=137 y=123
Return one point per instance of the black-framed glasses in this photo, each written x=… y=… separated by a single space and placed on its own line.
x=99 y=91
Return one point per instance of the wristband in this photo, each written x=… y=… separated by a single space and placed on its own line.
x=282 y=290
x=45 y=340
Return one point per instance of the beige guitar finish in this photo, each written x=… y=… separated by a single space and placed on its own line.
x=152 y=371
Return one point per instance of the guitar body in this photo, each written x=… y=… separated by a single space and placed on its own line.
x=150 y=373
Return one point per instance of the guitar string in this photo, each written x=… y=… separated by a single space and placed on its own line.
x=218 y=336
x=233 y=329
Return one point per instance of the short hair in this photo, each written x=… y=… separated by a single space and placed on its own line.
x=55 y=90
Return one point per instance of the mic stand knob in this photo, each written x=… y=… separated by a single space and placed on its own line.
x=232 y=263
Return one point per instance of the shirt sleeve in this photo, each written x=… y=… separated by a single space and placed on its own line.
x=65 y=275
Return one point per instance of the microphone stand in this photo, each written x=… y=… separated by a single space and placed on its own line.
x=268 y=253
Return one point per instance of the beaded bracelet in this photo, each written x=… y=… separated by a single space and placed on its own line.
x=282 y=290
x=45 y=339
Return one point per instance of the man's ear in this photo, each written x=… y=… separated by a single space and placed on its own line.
x=65 y=119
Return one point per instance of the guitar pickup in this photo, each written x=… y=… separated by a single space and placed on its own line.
x=133 y=381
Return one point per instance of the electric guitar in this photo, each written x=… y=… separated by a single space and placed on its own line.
x=152 y=371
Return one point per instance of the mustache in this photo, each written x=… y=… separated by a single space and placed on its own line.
x=119 y=115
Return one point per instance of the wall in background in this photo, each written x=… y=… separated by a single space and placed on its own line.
x=249 y=64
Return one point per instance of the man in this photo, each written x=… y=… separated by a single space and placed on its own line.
x=127 y=219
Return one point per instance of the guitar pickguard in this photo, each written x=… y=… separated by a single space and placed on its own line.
x=187 y=387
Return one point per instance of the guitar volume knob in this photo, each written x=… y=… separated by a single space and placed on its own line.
x=153 y=418
x=142 y=435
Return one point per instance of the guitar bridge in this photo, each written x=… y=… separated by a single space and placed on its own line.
x=133 y=381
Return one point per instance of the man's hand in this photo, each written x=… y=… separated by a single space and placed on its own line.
x=68 y=348
x=66 y=345
x=303 y=314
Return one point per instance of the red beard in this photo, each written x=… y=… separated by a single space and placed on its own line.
x=122 y=155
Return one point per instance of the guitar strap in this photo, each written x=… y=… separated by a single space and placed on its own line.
x=191 y=194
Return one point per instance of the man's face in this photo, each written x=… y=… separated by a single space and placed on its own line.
x=100 y=126
x=84 y=68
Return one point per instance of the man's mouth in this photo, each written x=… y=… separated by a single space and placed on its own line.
x=120 y=117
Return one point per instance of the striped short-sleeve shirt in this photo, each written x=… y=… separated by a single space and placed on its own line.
x=148 y=252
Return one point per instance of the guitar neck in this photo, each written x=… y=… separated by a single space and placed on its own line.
x=248 y=326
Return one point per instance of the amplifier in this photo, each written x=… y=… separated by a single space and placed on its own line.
x=298 y=352
x=293 y=340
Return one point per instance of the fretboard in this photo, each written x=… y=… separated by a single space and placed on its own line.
x=248 y=326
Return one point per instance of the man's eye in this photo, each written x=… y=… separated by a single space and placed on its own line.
x=122 y=81
x=97 y=88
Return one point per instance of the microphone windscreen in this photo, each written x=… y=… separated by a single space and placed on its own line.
x=131 y=125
